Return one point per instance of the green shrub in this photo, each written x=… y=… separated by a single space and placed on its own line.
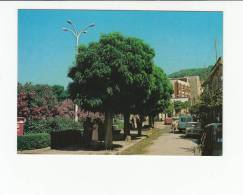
x=119 y=123
x=38 y=126
x=51 y=124
x=33 y=141
x=61 y=124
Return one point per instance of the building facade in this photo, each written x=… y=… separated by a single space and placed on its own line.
x=181 y=87
x=182 y=92
x=213 y=88
x=215 y=79
x=196 y=88
x=186 y=89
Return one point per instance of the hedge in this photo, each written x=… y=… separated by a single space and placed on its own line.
x=33 y=141
x=51 y=124
x=67 y=138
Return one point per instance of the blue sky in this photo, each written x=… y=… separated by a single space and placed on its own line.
x=180 y=39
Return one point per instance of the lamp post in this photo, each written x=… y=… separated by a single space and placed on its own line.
x=77 y=35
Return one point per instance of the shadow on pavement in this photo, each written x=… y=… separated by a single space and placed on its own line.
x=121 y=137
x=193 y=139
x=93 y=147
x=99 y=146
x=176 y=132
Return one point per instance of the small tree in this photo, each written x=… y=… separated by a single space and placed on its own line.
x=169 y=109
x=60 y=92
x=178 y=106
x=211 y=105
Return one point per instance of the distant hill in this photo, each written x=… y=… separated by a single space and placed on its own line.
x=201 y=72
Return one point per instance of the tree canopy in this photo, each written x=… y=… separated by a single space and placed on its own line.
x=112 y=74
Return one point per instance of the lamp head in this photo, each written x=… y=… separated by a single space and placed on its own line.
x=69 y=22
x=64 y=29
x=91 y=25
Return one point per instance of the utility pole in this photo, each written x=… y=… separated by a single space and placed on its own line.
x=216 y=50
x=76 y=33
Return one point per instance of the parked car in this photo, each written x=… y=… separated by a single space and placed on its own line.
x=183 y=120
x=174 y=124
x=168 y=121
x=212 y=140
x=193 y=129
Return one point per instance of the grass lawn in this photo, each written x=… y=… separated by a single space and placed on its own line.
x=141 y=146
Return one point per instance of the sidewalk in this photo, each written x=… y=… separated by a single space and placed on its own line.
x=172 y=144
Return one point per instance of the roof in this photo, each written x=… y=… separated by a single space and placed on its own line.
x=216 y=65
x=213 y=70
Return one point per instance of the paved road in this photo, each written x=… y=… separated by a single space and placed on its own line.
x=171 y=144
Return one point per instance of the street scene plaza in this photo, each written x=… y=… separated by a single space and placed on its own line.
x=120 y=82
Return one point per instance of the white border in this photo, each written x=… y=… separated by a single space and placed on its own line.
x=104 y=175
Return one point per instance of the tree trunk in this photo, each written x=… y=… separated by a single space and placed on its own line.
x=108 y=130
x=151 y=121
x=139 y=125
x=126 y=125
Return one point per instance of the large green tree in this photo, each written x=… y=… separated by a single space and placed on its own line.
x=111 y=76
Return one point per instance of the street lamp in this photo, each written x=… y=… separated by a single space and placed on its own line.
x=77 y=34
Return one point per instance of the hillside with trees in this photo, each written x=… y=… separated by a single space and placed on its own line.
x=201 y=72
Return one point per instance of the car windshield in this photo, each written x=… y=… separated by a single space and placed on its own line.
x=186 y=119
x=183 y=119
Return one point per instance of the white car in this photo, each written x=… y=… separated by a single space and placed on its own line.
x=193 y=129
